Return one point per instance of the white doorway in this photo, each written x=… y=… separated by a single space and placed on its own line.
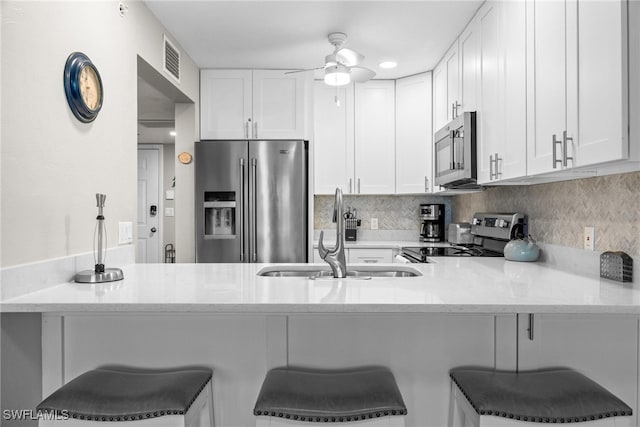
x=149 y=205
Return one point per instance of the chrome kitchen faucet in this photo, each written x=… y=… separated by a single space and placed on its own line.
x=335 y=257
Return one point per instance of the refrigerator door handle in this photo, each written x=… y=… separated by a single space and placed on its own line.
x=241 y=208
x=253 y=219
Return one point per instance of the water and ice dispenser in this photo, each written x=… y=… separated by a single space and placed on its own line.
x=219 y=214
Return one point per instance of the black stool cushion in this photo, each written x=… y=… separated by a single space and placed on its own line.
x=122 y=393
x=553 y=395
x=329 y=395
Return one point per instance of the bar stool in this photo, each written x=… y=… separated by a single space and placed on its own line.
x=366 y=396
x=141 y=397
x=488 y=397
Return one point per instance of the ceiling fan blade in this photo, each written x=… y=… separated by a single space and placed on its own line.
x=361 y=74
x=349 y=57
x=306 y=69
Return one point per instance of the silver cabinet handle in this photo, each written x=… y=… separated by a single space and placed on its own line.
x=246 y=129
x=555 y=156
x=453 y=110
x=491 y=174
x=254 y=173
x=565 y=138
x=350 y=185
x=241 y=208
x=498 y=173
x=255 y=130
x=358 y=185
x=426 y=184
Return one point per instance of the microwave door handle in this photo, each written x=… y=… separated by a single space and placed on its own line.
x=452 y=136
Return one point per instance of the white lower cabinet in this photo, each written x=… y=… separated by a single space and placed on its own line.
x=370 y=256
x=602 y=347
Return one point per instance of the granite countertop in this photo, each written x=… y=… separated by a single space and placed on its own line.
x=448 y=285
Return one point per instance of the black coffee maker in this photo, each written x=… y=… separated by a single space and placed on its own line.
x=431 y=223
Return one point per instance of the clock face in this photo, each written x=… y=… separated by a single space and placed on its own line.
x=90 y=88
x=82 y=87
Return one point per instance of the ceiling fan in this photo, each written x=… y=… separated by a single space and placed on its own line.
x=340 y=67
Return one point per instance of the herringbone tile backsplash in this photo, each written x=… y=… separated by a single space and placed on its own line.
x=558 y=212
x=393 y=212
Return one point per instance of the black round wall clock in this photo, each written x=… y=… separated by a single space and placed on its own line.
x=83 y=87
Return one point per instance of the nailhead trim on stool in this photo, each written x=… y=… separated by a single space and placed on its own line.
x=558 y=395
x=317 y=395
x=128 y=394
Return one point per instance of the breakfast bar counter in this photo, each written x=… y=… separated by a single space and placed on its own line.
x=447 y=285
x=458 y=312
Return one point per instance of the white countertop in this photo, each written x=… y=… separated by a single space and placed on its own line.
x=448 y=285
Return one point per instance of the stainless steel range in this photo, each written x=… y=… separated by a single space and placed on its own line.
x=491 y=232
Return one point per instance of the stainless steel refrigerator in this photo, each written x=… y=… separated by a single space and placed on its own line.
x=251 y=201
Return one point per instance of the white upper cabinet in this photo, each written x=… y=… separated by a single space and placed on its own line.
x=258 y=104
x=451 y=60
x=333 y=138
x=577 y=88
x=414 y=134
x=375 y=137
x=225 y=104
x=602 y=85
x=501 y=116
x=469 y=67
x=439 y=96
x=278 y=105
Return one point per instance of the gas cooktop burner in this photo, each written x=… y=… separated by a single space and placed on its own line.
x=420 y=254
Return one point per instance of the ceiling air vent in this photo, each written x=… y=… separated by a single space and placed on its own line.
x=171 y=59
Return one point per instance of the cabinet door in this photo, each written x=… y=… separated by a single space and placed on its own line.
x=490 y=118
x=513 y=154
x=600 y=104
x=414 y=134
x=469 y=58
x=453 y=98
x=602 y=347
x=225 y=104
x=375 y=137
x=333 y=138
x=546 y=86
x=278 y=105
x=439 y=96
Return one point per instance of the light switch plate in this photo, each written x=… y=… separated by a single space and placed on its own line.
x=125 y=233
x=169 y=212
x=169 y=194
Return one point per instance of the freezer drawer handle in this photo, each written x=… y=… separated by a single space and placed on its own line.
x=254 y=167
x=241 y=208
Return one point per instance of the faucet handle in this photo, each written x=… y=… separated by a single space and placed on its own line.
x=321 y=249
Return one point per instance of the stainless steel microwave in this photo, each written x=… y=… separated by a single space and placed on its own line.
x=455 y=153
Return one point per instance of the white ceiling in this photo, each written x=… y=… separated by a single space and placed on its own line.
x=293 y=34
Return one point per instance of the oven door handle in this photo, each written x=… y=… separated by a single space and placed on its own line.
x=452 y=137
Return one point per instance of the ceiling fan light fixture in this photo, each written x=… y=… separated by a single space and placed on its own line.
x=337 y=75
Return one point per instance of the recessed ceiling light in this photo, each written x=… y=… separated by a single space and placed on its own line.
x=172 y=133
x=388 y=64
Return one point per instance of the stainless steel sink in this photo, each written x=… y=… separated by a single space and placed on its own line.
x=318 y=272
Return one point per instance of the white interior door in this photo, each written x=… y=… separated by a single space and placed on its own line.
x=149 y=237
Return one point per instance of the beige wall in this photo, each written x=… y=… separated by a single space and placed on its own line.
x=558 y=212
x=52 y=165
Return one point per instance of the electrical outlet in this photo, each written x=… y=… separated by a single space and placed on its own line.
x=374 y=223
x=589 y=238
x=125 y=233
